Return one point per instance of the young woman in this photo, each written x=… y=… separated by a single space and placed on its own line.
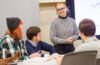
x=63 y=30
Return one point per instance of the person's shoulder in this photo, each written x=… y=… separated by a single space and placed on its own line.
x=55 y=20
x=96 y=42
x=43 y=43
x=27 y=42
x=81 y=47
x=6 y=38
x=71 y=19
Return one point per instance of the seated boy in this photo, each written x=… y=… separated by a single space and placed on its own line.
x=34 y=45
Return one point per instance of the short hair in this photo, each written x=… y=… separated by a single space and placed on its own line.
x=32 y=31
x=58 y=3
x=88 y=27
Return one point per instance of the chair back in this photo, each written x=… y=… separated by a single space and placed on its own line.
x=80 y=58
x=97 y=61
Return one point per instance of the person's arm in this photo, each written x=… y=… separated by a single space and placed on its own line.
x=47 y=47
x=58 y=58
x=10 y=59
x=36 y=54
x=76 y=32
x=25 y=54
x=4 y=63
x=82 y=47
x=7 y=48
x=53 y=35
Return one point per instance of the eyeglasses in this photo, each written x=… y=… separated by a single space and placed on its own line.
x=61 y=9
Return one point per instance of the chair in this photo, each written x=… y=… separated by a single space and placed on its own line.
x=80 y=58
x=97 y=61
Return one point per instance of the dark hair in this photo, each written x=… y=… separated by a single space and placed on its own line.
x=87 y=26
x=32 y=31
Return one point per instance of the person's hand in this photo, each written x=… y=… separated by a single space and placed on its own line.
x=17 y=56
x=37 y=54
x=58 y=58
x=55 y=55
x=69 y=40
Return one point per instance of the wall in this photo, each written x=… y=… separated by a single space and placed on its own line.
x=47 y=15
x=27 y=10
x=48 y=1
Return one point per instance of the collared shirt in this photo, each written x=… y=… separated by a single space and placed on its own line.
x=94 y=39
x=34 y=44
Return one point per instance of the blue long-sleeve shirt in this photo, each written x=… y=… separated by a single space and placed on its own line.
x=40 y=46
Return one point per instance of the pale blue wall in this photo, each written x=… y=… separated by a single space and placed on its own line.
x=27 y=10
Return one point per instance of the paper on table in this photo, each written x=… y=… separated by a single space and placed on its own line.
x=39 y=61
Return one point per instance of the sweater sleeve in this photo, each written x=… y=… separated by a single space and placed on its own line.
x=76 y=31
x=7 y=46
x=47 y=47
x=53 y=37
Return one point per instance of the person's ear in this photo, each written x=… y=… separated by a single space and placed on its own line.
x=34 y=37
x=81 y=33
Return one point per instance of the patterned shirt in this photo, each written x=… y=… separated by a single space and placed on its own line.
x=10 y=46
